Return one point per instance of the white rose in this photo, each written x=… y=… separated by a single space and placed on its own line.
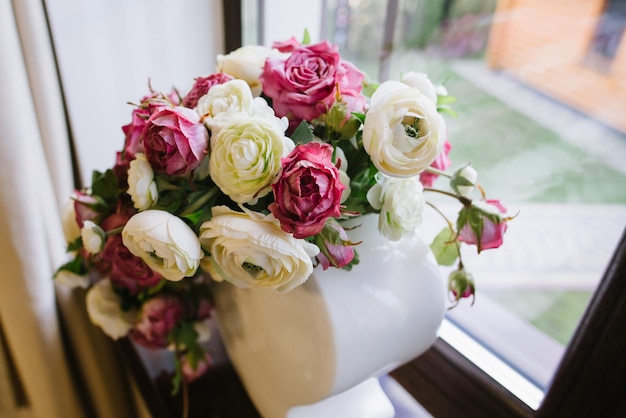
x=421 y=82
x=223 y=100
x=71 y=280
x=93 y=237
x=245 y=157
x=401 y=203
x=164 y=242
x=141 y=185
x=71 y=231
x=403 y=133
x=104 y=309
x=246 y=63
x=250 y=250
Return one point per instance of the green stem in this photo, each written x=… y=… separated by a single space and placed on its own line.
x=464 y=200
x=114 y=231
x=451 y=226
x=438 y=172
x=195 y=206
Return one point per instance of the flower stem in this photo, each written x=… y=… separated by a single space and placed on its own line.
x=195 y=206
x=185 y=394
x=433 y=170
x=464 y=200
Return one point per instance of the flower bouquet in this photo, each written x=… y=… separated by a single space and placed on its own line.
x=247 y=177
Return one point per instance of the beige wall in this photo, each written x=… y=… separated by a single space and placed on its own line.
x=545 y=43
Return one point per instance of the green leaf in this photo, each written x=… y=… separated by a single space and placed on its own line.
x=76 y=266
x=444 y=247
x=105 y=185
x=445 y=100
x=303 y=133
x=306 y=38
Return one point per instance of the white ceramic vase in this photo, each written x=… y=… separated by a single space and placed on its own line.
x=316 y=351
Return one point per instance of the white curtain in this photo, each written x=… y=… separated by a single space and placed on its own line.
x=102 y=48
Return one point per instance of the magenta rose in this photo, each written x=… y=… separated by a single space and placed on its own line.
x=441 y=163
x=287 y=46
x=304 y=85
x=175 y=140
x=335 y=248
x=201 y=86
x=126 y=270
x=157 y=319
x=482 y=224
x=190 y=373
x=85 y=208
x=308 y=190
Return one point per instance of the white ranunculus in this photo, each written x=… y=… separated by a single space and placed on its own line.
x=71 y=280
x=401 y=203
x=403 y=133
x=222 y=101
x=141 y=185
x=245 y=157
x=469 y=174
x=421 y=82
x=250 y=250
x=246 y=63
x=71 y=230
x=103 y=307
x=93 y=237
x=164 y=242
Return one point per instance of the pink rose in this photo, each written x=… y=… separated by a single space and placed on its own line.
x=304 y=85
x=85 y=208
x=441 y=163
x=287 y=46
x=126 y=270
x=335 y=249
x=175 y=140
x=157 y=319
x=190 y=373
x=308 y=190
x=481 y=224
x=201 y=86
x=133 y=132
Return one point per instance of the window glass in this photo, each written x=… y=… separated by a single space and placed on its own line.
x=545 y=131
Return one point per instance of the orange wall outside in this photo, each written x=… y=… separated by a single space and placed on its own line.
x=544 y=44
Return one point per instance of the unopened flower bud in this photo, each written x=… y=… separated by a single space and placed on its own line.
x=93 y=237
x=461 y=285
x=464 y=180
x=341 y=123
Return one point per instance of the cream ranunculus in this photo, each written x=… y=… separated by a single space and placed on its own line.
x=93 y=237
x=250 y=250
x=103 y=307
x=401 y=203
x=141 y=185
x=164 y=242
x=403 y=133
x=71 y=280
x=421 y=82
x=71 y=231
x=245 y=156
x=246 y=63
x=222 y=101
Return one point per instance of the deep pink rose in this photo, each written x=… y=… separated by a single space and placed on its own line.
x=202 y=366
x=304 y=85
x=133 y=132
x=175 y=140
x=157 y=319
x=308 y=190
x=335 y=254
x=287 y=46
x=482 y=225
x=441 y=163
x=126 y=270
x=201 y=86
x=85 y=208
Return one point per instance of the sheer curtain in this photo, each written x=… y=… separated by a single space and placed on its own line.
x=106 y=52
